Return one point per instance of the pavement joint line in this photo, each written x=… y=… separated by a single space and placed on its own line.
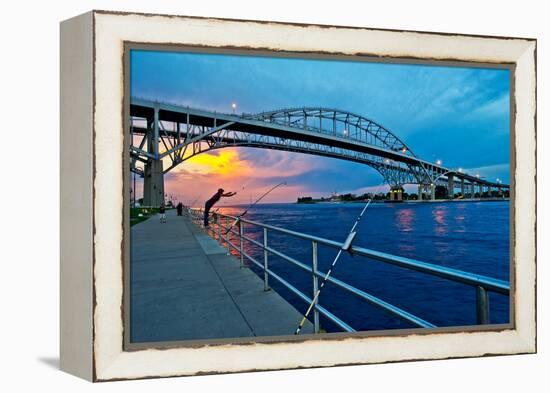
x=206 y=296
x=231 y=296
x=222 y=282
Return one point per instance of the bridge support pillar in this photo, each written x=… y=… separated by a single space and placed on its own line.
x=432 y=192
x=462 y=187
x=451 y=186
x=396 y=193
x=153 y=183
x=420 y=192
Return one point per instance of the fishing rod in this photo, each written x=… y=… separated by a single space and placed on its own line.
x=345 y=247
x=242 y=189
x=247 y=183
x=196 y=199
x=254 y=204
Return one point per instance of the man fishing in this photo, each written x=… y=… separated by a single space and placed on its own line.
x=215 y=198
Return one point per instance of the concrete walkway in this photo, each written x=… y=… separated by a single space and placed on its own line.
x=183 y=286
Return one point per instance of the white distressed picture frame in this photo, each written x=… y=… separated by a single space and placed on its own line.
x=92 y=161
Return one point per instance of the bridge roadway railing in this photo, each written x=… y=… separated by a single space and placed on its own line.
x=225 y=228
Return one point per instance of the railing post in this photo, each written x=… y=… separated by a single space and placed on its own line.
x=241 y=241
x=266 y=263
x=217 y=219
x=227 y=235
x=315 y=286
x=211 y=228
x=482 y=305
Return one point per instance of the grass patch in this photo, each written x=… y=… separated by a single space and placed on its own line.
x=140 y=214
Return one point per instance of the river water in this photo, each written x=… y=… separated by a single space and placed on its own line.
x=470 y=236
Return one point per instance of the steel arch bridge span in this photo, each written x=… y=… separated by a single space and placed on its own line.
x=336 y=122
x=320 y=131
x=389 y=170
x=161 y=131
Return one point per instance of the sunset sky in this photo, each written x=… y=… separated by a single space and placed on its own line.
x=457 y=115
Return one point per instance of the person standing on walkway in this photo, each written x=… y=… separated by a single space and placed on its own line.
x=179 y=208
x=162 y=211
x=215 y=198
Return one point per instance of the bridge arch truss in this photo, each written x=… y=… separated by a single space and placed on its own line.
x=172 y=133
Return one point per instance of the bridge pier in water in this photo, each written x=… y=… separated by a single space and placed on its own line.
x=396 y=193
x=428 y=189
x=450 y=186
x=153 y=183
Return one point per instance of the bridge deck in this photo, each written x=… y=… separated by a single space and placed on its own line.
x=185 y=287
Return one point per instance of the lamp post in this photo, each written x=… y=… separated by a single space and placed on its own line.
x=134 y=188
x=480 y=186
x=233 y=106
x=500 y=188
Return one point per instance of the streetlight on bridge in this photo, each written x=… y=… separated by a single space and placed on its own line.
x=450 y=186
x=499 y=187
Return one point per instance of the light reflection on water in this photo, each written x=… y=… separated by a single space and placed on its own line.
x=460 y=218
x=440 y=216
x=470 y=236
x=404 y=219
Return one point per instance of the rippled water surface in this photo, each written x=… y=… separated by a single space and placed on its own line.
x=471 y=236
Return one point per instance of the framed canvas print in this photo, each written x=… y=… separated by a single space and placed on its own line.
x=245 y=195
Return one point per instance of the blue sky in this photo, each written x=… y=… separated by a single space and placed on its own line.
x=457 y=114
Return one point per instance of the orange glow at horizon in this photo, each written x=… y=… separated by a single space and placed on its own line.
x=222 y=163
x=199 y=177
x=248 y=174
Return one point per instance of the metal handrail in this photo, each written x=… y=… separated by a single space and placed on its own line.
x=483 y=284
x=355 y=291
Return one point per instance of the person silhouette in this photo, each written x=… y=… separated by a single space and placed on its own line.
x=212 y=201
x=162 y=211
